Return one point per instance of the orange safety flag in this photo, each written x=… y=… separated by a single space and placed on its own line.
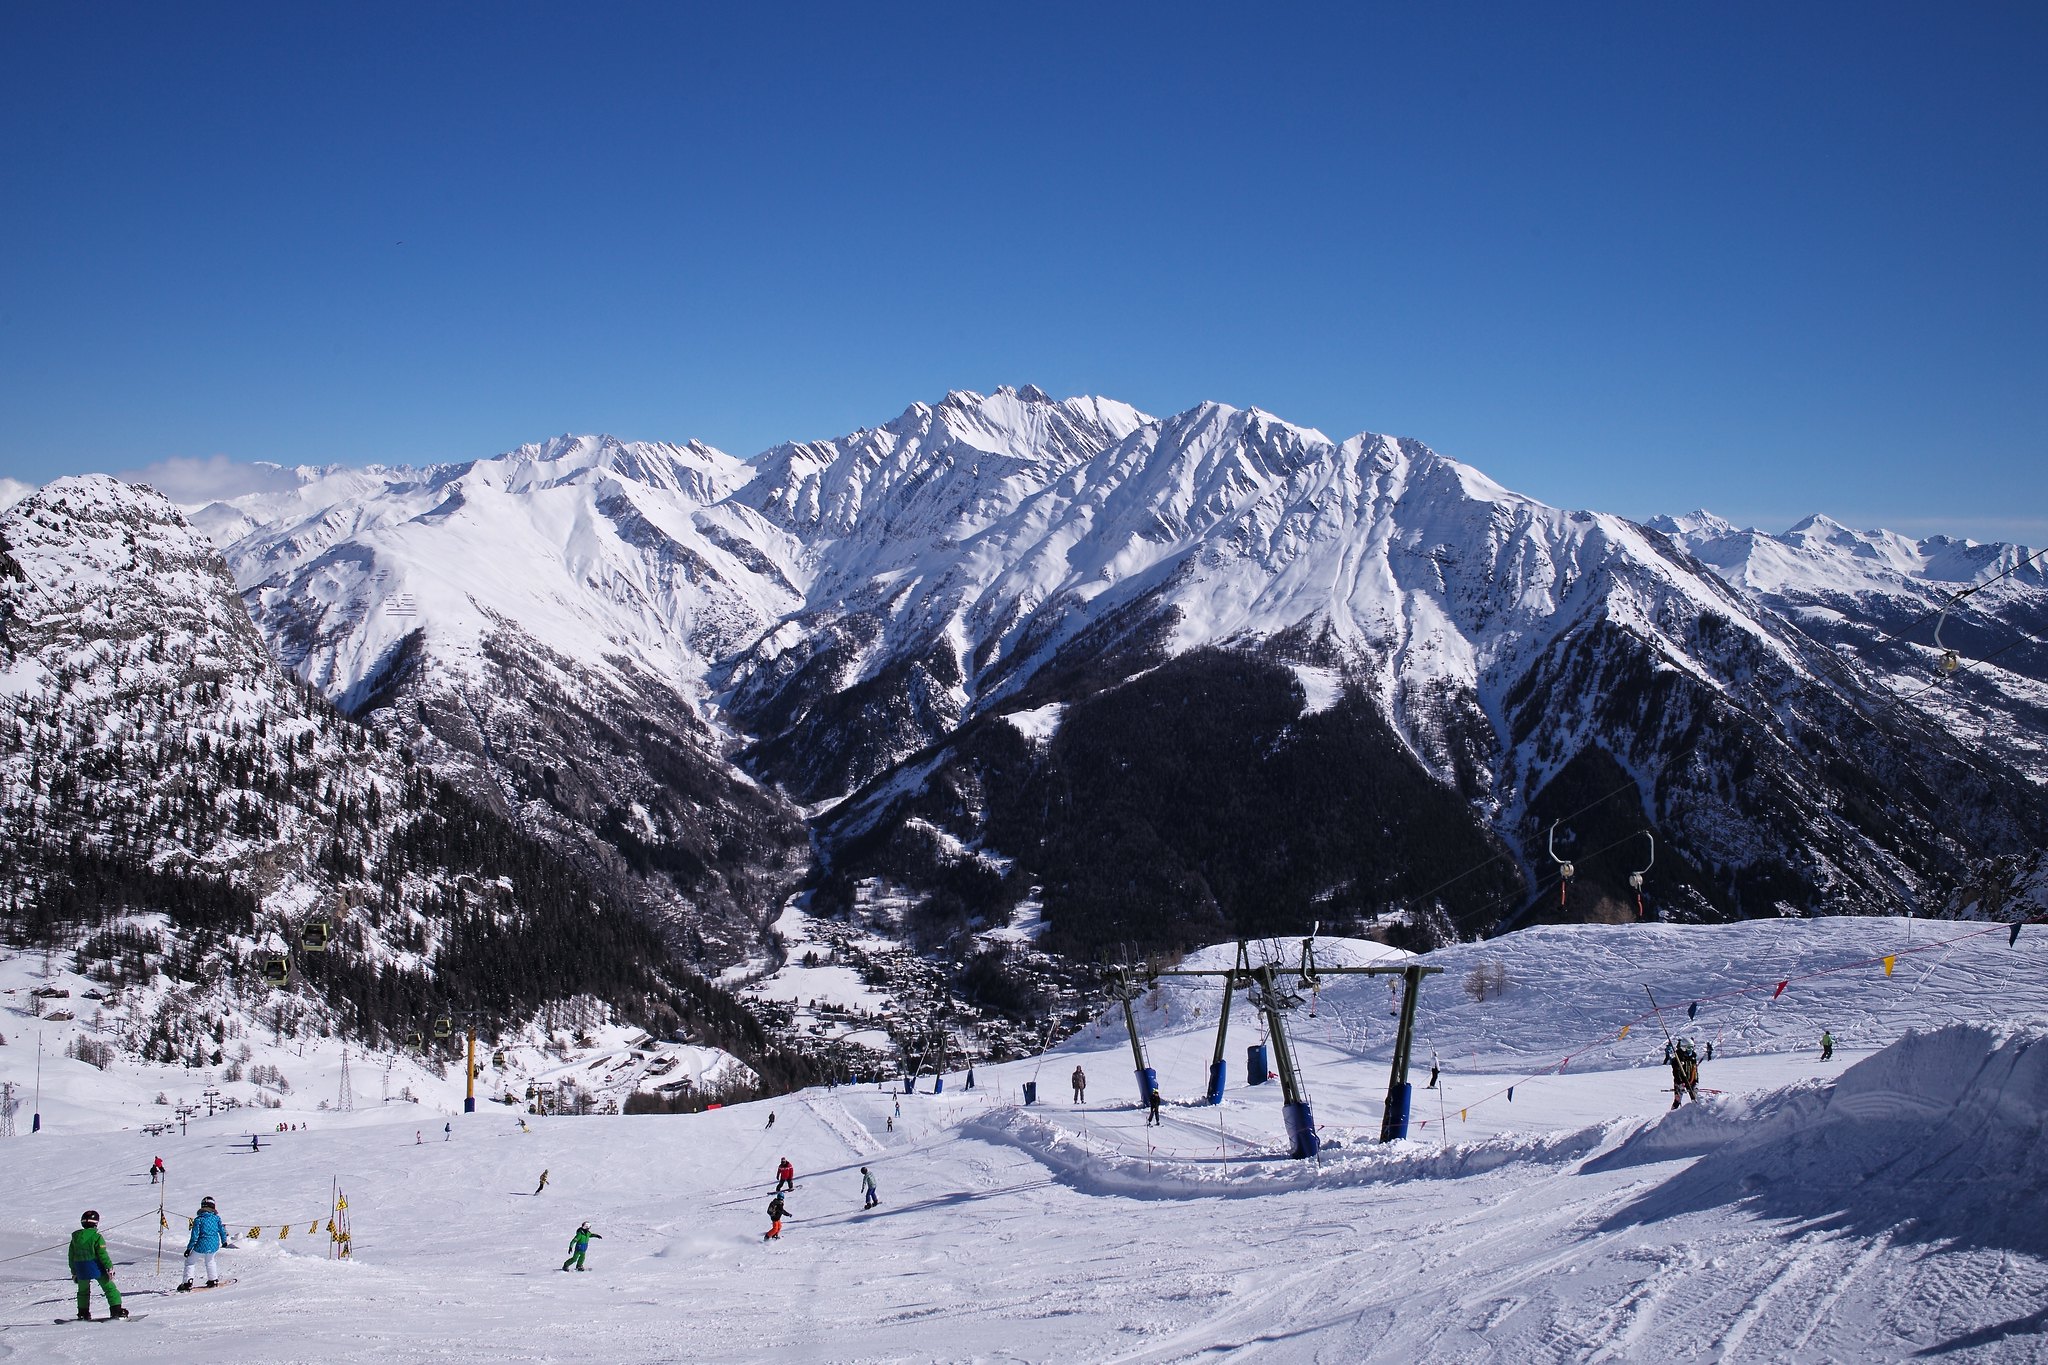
x=1888 y=964
x=1624 y=1032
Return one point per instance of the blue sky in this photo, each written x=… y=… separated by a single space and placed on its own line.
x=1767 y=259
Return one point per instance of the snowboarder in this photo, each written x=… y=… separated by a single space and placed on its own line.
x=1152 y=1103
x=785 y=1176
x=543 y=1184
x=209 y=1234
x=90 y=1260
x=777 y=1211
x=156 y=1170
x=1827 y=1045
x=1080 y=1085
x=867 y=1189
x=580 y=1243
x=1685 y=1073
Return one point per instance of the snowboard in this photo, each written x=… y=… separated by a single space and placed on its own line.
x=132 y=1317
x=201 y=1289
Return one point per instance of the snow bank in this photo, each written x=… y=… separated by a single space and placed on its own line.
x=1935 y=1138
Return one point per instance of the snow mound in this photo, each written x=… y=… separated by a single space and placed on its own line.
x=1936 y=1138
x=1097 y=1167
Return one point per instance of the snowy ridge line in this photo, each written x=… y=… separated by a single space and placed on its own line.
x=1093 y=1171
x=1780 y=984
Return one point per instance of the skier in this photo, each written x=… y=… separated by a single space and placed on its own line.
x=1434 y=1071
x=777 y=1211
x=156 y=1170
x=416 y=1138
x=447 y=1132
x=1827 y=1045
x=254 y=1145
x=771 y=1118
x=892 y=1123
x=1080 y=1085
x=1152 y=1103
x=90 y=1260
x=867 y=1189
x=1667 y=1052
x=785 y=1176
x=543 y=1184
x=523 y=1128
x=208 y=1236
x=1685 y=1073
x=1710 y=1050
x=580 y=1243
x=970 y=1078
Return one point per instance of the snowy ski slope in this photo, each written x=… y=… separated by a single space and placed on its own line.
x=1886 y=1205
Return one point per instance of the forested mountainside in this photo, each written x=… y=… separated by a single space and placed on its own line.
x=201 y=831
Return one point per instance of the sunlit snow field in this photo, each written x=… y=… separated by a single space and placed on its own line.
x=1886 y=1205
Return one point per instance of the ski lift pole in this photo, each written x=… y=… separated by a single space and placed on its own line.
x=1400 y=1092
x=1218 y=1067
x=1148 y=1079
x=1294 y=1106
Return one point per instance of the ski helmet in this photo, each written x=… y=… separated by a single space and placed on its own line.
x=207 y=1202
x=89 y=1219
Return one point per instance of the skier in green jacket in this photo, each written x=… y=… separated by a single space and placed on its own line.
x=90 y=1260
x=579 y=1244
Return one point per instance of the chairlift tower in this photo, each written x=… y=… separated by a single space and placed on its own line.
x=1274 y=1000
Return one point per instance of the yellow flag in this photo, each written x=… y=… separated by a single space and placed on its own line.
x=1624 y=1032
x=284 y=1232
x=1461 y=1116
x=313 y=1226
x=254 y=1233
x=1888 y=965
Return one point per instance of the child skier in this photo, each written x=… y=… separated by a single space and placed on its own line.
x=209 y=1234
x=90 y=1260
x=785 y=1176
x=579 y=1244
x=777 y=1211
x=867 y=1189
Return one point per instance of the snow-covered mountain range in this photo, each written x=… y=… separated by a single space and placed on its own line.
x=1006 y=653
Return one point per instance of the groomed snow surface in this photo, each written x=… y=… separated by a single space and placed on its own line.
x=1885 y=1205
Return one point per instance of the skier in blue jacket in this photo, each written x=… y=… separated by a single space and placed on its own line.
x=209 y=1235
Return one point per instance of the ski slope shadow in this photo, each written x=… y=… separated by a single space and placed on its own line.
x=2033 y=1324
x=1936 y=1138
